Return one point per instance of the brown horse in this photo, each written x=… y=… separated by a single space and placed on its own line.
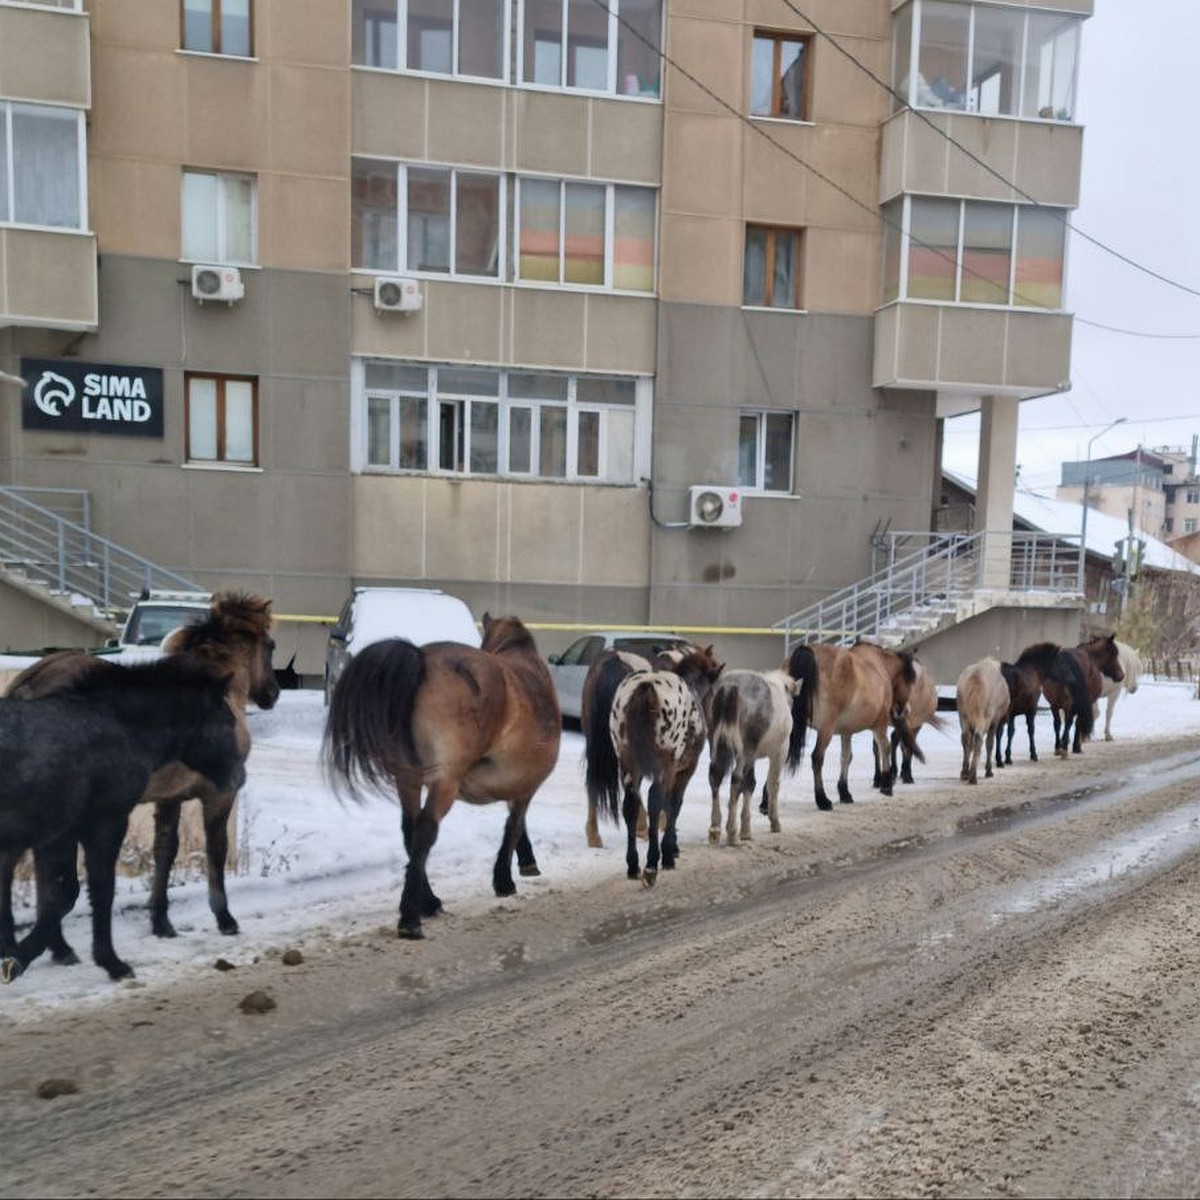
x=234 y=640
x=1026 y=678
x=452 y=721
x=1093 y=659
x=658 y=725
x=982 y=701
x=920 y=711
x=846 y=691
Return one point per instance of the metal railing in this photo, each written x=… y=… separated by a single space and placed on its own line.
x=72 y=561
x=929 y=572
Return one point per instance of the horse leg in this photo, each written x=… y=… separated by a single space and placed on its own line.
x=989 y=741
x=166 y=847
x=818 y=765
x=1058 y=725
x=1029 y=716
x=101 y=845
x=877 y=778
x=594 y=840
x=8 y=927
x=514 y=831
x=410 y=801
x=216 y=810
x=57 y=891
x=526 y=863
x=631 y=807
x=748 y=783
x=844 y=796
x=1110 y=704
x=716 y=776
x=654 y=806
x=883 y=752
x=1012 y=724
x=416 y=895
x=771 y=788
x=670 y=836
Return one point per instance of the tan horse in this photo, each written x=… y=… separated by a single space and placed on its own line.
x=235 y=641
x=982 y=701
x=451 y=721
x=845 y=691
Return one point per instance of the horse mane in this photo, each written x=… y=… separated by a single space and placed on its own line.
x=1040 y=654
x=502 y=634
x=233 y=616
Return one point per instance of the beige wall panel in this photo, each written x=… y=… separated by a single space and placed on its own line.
x=224 y=337
x=700 y=260
x=700 y=347
x=145 y=24
x=50 y=276
x=44 y=55
x=135 y=207
x=714 y=52
x=227 y=107
x=393 y=335
x=218 y=501
x=921 y=152
x=32 y=626
x=464 y=521
x=991 y=140
x=1039 y=350
x=138 y=104
x=376 y=99
x=304 y=424
x=389 y=527
x=972 y=345
x=310 y=122
x=549 y=327
x=703 y=165
x=466 y=124
x=841 y=271
x=615 y=537
x=622 y=334
x=919 y=333
x=551 y=133
x=310 y=515
x=885 y=346
x=841 y=92
x=312 y=32
x=146 y=304
x=544 y=530
x=1085 y=7
x=775 y=187
x=627 y=141
x=303 y=222
x=464 y=323
x=706 y=10
x=307 y=320
x=892 y=159
x=1049 y=163
x=838 y=18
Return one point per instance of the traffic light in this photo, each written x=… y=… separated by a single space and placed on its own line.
x=1136 y=550
x=1118 y=562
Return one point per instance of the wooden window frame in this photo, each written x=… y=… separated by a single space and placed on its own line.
x=772 y=232
x=220 y=380
x=777 y=39
x=215 y=18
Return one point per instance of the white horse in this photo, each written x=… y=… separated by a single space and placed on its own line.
x=1131 y=664
x=751 y=718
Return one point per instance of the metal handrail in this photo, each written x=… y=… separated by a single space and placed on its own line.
x=72 y=560
x=939 y=573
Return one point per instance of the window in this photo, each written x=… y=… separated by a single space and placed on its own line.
x=973 y=252
x=1189 y=525
x=41 y=166
x=995 y=60
x=443 y=37
x=1193 y=496
x=1168 y=525
x=771 y=274
x=765 y=451
x=779 y=74
x=579 y=44
x=222 y=419
x=435 y=219
x=483 y=421
x=217 y=27
x=586 y=234
x=219 y=218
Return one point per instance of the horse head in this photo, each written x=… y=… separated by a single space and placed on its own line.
x=1107 y=656
x=506 y=633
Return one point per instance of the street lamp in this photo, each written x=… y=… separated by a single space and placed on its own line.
x=1087 y=475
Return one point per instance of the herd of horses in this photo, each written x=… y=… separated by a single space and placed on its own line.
x=86 y=740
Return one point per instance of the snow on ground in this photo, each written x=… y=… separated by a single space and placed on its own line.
x=309 y=861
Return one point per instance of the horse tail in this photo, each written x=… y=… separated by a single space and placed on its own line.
x=641 y=724
x=1068 y=671
x=908 y=739
x=601 y=768
x=801 y=666
x=723 y=729
x=1131 y=664
x=368 y=732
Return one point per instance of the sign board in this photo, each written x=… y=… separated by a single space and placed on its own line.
x=69 y=396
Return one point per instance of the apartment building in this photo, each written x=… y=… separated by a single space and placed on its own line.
x=610 y=311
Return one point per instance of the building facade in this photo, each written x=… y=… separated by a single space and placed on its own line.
x=317 y=292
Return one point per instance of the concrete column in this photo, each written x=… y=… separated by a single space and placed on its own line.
x=997 y=483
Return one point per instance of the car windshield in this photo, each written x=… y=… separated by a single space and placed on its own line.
x=648 y=646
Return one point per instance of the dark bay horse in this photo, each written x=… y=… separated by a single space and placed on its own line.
x=73 y=765
x=1094 y=659
x=234 y=640
x=845 y=691
x=658 y=725
x=451 y=721
x=981 y=698
x=750 y=718
x=1026 y=678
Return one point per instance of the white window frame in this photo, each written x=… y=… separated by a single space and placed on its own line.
x=640 y=408
x=401 y=10
x=610 y=217
x=223 y=178
x=81 y=175
x=760 y=416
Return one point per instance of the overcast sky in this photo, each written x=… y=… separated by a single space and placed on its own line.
x=1138 y=80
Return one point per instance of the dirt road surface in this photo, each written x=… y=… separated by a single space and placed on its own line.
x=988 y=992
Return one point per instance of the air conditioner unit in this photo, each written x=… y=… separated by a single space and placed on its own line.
x=217 y=283
x=714 y=507
x=397 y=293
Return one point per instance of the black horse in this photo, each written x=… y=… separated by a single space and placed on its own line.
x=72 y=766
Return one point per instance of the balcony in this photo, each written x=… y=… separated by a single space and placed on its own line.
x=48 y=278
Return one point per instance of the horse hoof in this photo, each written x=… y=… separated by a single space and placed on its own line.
x=825 y=805
x=119 y=970
x=594 y=843
x=764 y=808
x=648 y=877
x=411 y=933
x=69 y=959
x=531 y=869
x=776 y=827
x=227 y=925
x=10 y=969
x=714 y=837
x=163 y=929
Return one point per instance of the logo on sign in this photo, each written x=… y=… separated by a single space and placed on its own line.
x=52 y=391
x=92 y=397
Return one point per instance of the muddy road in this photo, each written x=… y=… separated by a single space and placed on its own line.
x=990 y=991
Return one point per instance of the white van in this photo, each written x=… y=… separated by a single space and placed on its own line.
x=372 y=614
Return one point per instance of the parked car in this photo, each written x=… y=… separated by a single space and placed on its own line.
x=372 y=614
x=154 y=616
x=569 y=669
